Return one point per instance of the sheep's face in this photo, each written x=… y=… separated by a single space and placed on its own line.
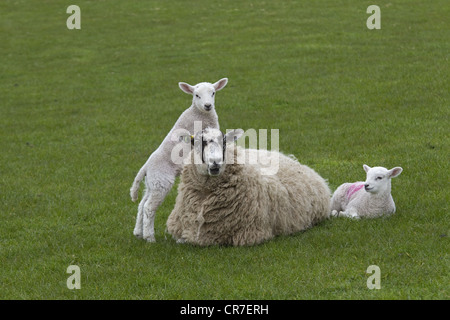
x=210 y=146
x=379 y=178
x=203 y=93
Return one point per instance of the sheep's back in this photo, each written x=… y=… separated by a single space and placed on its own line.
x=303 y=198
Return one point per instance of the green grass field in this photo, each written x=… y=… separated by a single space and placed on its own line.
x=81 y=111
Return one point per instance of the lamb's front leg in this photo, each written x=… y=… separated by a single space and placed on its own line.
x=349 y=213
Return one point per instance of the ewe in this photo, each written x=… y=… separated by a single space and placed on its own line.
x=223 y=201
x=160 y=170
x=370 y=199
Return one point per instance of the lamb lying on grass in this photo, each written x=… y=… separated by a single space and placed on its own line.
x=160 y=170
x=222 y=202
x=369 y=199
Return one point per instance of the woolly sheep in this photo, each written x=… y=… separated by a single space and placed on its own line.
x=160 y=170
x=222 y=202
x=370 y=199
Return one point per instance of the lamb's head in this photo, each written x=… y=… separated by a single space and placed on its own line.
x=210 y=150
x=379 y=178
x=203 y=93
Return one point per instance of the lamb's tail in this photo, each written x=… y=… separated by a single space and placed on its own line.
x=137 y=181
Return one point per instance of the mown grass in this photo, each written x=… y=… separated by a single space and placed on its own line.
x=81 y=110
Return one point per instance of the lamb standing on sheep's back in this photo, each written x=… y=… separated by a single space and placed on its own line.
x=160 y=170
x=236 y=204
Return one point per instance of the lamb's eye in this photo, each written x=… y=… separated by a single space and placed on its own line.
x=378 y=178
x=197 y=96
x=213 y=94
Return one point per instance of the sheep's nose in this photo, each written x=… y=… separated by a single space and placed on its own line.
x=215 y=164
x=207 y=106
x=366 y=186
x=214 y=169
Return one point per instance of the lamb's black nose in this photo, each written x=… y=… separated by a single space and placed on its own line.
x=207 y=106
x=366 y=186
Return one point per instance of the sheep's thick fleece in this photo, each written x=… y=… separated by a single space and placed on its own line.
x=244 y=207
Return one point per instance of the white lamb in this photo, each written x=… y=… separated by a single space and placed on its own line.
x=369 y=199
x=160 y=170
x=222 y=201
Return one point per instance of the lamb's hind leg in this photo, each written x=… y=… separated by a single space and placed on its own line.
x=138 y=229
x=338 y=200
x=155 y=198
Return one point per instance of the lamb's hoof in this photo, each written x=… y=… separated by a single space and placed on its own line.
x=350 y=215
x=334 y=213
x=181 y=240
x=138 y=234
x=150 y=238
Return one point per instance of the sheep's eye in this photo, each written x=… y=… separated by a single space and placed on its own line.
x=197 y=96
x=378 y=178
x=213 y=94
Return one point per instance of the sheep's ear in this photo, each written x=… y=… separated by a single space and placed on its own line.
x=187 y=139
x=395 y=172
x=366 y=168
x=182 y=135
x=219 y=85
x=186 y=87
x=233 y=135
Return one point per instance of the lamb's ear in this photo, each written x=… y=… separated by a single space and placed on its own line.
x=233 y=135
x=395 y=172
x=186 y=87
x=219 y=85
x=366 y=168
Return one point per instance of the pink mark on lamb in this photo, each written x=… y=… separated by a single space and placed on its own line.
x=355 y=187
